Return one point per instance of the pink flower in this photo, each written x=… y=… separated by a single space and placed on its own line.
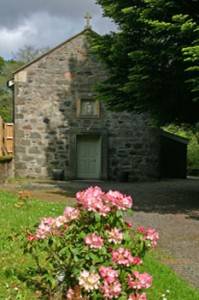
x=115 y=236
x=47 y=221
x=119 y=200
x=111 y=291
x=89 y=196
x=152 y=235
x=70 y=293
x=123 y=256
x=49 y=226
x=135 y=260
x=92 y=199
x=94 y=241
x=141 y=229
x=129 y=224
x=31 y=237
x=60 y=221
x=149 y=234
x=101 y=208
x=45 y=228
x=71 y=213
x=139 y=280
x=41 y=234
x=138 y=297
x=108 y=274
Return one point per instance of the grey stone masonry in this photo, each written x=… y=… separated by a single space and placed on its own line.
x=48 y=94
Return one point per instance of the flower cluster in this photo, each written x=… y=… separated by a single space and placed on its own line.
x=71 y=213
x=94 y=199
x=89 y=281
x=115 y=236
x=51 y=226
x=141 y=296
x=139 y=281
x=123 y=256
x=149 y=234
x=108 y=274
x=94 y=241
x=95 y=257
x=110 y=291
x=119 y=200
x=48 y=226
x=111 y=287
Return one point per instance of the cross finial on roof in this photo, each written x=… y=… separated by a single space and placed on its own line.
x=88 y=19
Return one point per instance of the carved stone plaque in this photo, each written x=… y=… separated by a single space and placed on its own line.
x=88 y=108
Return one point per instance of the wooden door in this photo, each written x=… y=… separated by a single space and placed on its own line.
x=88 y=157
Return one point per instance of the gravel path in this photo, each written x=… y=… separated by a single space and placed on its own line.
x=170 y=206
x=173 y=209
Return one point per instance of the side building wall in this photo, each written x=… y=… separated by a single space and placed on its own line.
x=47 y=93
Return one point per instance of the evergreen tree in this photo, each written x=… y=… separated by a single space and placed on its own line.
x=148 y=57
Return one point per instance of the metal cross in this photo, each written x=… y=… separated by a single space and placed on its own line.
x=88 y=18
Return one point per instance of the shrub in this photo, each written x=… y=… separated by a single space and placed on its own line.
x=91 y=252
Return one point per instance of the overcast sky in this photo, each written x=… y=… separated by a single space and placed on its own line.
x=45 y=23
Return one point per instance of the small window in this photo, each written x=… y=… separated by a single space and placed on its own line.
x=88 y=108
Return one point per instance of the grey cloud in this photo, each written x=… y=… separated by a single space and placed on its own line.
x=13 y=11
x=44 y=23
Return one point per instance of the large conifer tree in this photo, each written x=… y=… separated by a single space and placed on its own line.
x=153 y=58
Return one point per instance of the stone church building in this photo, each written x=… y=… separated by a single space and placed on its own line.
x=62 y=131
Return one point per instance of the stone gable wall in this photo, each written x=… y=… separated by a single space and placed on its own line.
x=46 y=97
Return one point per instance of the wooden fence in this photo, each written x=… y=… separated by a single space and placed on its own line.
x=6 y=138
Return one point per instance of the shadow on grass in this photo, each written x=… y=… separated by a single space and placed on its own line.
x=164 y=197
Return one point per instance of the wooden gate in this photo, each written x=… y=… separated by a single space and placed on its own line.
x=6 y=138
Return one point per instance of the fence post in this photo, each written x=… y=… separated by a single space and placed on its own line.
x=1 y=136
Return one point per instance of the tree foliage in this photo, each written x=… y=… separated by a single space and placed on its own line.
x=151 y=60
x=191 y=56
x=6 y=70
x=28 y=53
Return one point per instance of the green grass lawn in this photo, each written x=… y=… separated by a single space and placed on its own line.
x=14 y=220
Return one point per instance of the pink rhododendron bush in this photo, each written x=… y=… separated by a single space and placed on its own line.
x=90 y=252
